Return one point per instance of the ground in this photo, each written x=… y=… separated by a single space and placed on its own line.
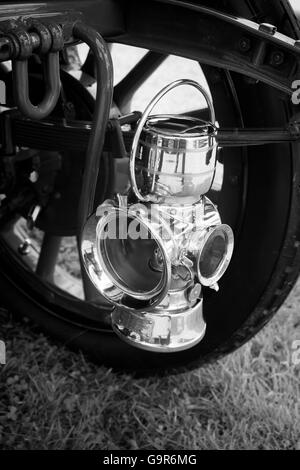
x=51 y=398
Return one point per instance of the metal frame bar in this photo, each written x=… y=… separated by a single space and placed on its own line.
x=124 y=90
x=75 y=136
x=257 y=51
x=48 y=257
x=243 y=46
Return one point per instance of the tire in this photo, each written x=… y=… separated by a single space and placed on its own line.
x=266 y=259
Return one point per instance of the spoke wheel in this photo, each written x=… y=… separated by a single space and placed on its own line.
x=257 y=194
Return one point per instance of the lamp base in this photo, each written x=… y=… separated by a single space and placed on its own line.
x=160 y=330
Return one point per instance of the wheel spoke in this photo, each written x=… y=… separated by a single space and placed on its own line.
x=48 y=257
x=124 y=91
x=91 y=294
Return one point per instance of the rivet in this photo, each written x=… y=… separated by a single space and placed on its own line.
x=245 y=44
x=267 y=28
x=277 y=58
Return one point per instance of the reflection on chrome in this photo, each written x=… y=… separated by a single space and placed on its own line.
x=149 y=252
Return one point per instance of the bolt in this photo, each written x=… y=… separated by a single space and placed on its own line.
x=34 y=176
x=267 y=28
x=277 y=58
x=24 y=248
x=245 y=44
x=194 y=293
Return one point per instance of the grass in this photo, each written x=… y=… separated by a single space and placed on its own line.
x=51 y=398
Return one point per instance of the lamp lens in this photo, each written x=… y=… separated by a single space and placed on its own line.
x=128 y=257
x=213 y=254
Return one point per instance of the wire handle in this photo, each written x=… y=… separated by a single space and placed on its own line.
x=144 y=118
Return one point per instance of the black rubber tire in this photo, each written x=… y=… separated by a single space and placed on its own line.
x=266 y=260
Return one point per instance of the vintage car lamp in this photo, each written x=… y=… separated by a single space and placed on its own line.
x=150 y=251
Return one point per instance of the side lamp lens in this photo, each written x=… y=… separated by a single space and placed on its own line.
x=215 y=255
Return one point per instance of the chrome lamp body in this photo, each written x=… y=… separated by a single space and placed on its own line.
x=151 y=251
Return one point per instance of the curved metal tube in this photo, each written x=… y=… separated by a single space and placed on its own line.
x=21 y=87
x=104 y=74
